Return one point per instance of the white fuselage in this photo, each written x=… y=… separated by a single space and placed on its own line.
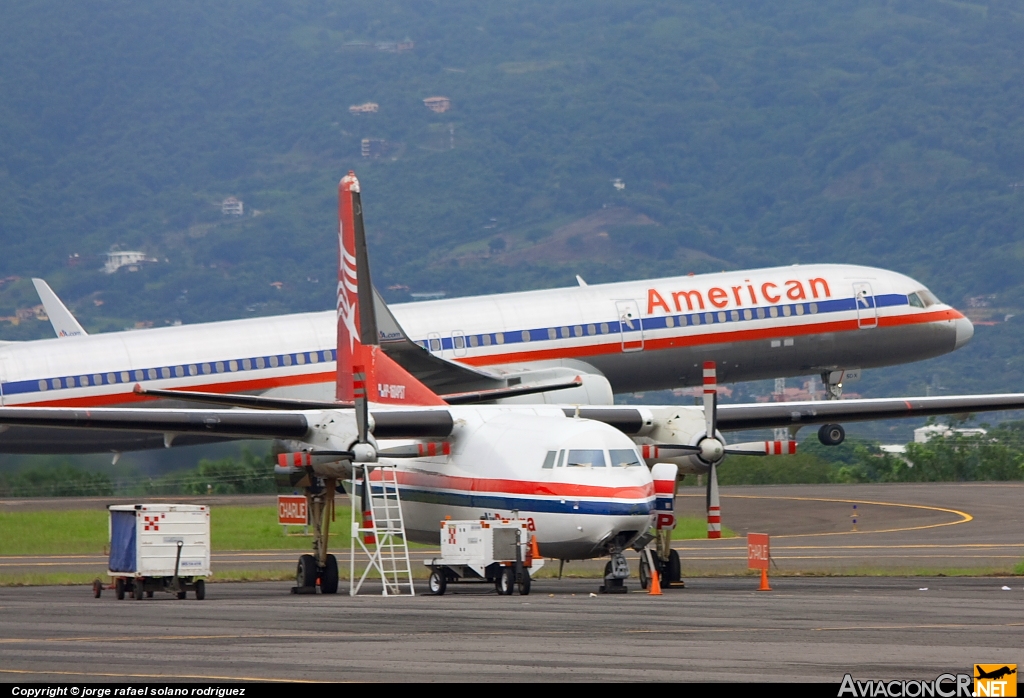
x=640 y=335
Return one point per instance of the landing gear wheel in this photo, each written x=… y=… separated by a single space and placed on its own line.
x=119 y=588
x=506 y=582
x=305 y=572
x=181 y=595
x=200 y=590
x=437 y=583
x=831 y=434
x=645 y=572
x=329 y=576
x=524 y=582
x=673 y=571
x=97 y=589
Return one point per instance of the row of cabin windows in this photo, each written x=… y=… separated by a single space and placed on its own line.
x=591 y=458
x=137 y=375
x=461 y=342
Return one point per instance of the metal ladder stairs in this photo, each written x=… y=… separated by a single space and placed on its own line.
x=381 y=539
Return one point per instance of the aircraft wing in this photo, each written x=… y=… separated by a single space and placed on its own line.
x=785 y=414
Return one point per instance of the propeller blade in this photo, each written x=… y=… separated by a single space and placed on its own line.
x=677 y=447
x=762 y=448
x=714 y=507
x=710 y=399
x=359 y=393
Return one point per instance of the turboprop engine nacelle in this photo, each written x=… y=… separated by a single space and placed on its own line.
x=331 y=433
x=678 y=426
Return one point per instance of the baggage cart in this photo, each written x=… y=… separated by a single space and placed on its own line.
x=158 y=547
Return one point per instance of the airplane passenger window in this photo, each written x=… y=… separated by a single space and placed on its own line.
x=83 y=381
x=721 y=316
x=165 y=372
x=287 y=359
x=787 y=311
x=140 y=376
x=474 y=341
x=814 y=308
x=42 y=385
x=670 y=321
x=565 y=333
x=111 y=378
x=218 y=367
x=300 y=359
x=314 y=357
x=747 y=315
x=152 y=374
x=914 y=300
x=549 y=460
x=800 y=309
x=55 y=384
x=273 y=362
x=604 y=328
x=586 y=458
x=591 y=329
x=97 y=379
x=499 y=338
x=232 y=366
x=487 y=340
x=695 y=319
x=773 y=311
x=259 y=362
x=459 y=341
x=192 y=369
x=526 y=335
x=734 y=315
x=578 y=331
x=179 y=371
x=709 y=318
x=552 y=334
x=623 y=457
x=760 y=313
x=124 y=376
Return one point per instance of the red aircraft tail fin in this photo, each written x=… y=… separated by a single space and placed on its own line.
x=386 y=381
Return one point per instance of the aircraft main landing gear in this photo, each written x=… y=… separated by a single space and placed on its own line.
x=321 y=568
x=831 y=434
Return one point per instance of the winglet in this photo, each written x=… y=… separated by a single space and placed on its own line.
x=386 y=381
x=64 y=323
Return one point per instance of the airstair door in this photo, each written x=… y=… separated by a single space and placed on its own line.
x=867 y=311
x=630 y=326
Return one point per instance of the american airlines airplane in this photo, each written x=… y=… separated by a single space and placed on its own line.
x=577 y=345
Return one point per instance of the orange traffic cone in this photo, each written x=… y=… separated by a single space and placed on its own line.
x=655 y=589
x=764 y=581
x=534 y=549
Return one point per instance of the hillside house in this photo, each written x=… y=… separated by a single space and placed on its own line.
x=232 y=207
x=438 y=105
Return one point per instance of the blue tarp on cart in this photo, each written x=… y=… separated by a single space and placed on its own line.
x=122 y=541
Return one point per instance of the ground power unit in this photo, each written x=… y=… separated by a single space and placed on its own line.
x=500 y=551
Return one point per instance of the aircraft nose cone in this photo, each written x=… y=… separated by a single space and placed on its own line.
x=964 y=332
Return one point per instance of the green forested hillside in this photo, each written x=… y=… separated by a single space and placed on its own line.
x=748 y=133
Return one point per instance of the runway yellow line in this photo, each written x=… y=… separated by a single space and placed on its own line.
x=964 y=516
x=201 y=677
x=161 y=638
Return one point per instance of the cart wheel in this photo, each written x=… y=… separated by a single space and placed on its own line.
x=149 y=594
x=329 y=576
x=524 y=583
x=119 y=588
x=181 y=594
x=137 y=590
x=305 y=572
x=645 y=571
x=507 y=581
x=97 y=588
x=200 y=590
x=437 y=582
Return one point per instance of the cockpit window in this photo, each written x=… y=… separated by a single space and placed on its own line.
x=549 y=460
x=915 y=300
x=928 y=297
x=586 y=458
x=623 y=457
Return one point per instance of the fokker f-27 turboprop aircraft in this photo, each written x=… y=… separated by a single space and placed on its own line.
x=575 y=470
x=573 y=345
